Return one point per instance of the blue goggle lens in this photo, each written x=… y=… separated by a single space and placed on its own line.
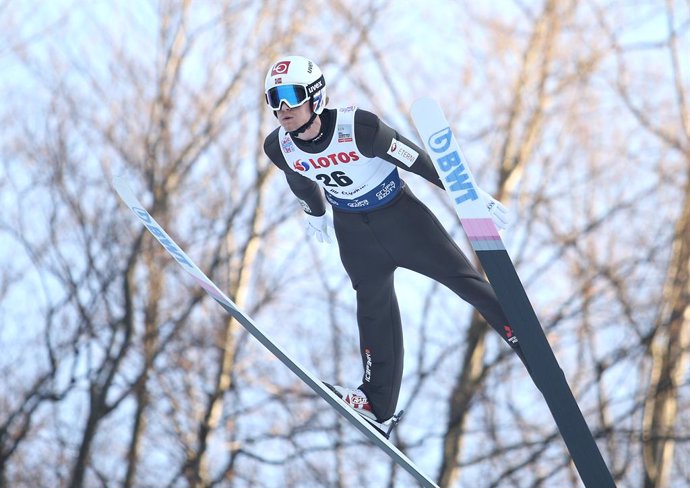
x=292 y=95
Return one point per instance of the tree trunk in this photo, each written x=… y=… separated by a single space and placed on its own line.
x=669 y=351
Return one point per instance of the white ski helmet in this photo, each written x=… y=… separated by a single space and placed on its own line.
x=294 y=80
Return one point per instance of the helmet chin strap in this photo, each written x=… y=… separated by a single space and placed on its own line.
x=304 y=127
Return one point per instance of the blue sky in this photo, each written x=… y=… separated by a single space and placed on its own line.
x=434 y=56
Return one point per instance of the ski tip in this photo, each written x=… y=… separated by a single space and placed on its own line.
x=423 y=104
x=123 y=189
x=120 y=184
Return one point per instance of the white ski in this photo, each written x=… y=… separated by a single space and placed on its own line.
x=476 y=221
x=315 y=384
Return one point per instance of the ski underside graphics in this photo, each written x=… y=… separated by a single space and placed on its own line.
x=437 y=136
x=376 y=437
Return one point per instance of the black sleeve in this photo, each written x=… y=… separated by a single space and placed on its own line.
x=374 y=138
x=306 y=190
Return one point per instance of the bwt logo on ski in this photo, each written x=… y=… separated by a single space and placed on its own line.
x=169 y=245
x=452 y=166
x=326 y=161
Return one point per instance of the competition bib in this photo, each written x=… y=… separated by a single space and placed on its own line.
x=351 y=181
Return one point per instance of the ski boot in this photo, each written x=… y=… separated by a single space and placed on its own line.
x=357 y=400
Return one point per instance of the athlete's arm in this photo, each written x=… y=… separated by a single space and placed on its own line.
x=375 y=138
x=306 y=190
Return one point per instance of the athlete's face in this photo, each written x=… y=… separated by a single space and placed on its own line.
x=293 y=118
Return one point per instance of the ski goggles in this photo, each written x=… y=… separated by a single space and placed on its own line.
x=292 y=95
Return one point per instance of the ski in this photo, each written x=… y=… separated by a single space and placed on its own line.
x=483 y=235
x=375 y=436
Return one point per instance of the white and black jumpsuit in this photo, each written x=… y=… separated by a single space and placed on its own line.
x=380 y=226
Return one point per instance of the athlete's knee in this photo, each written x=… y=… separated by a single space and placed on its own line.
x=375 y=291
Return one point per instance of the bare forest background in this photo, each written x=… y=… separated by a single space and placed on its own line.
x=116 y=371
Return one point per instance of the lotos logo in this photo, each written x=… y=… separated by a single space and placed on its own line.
x=326 y=161
x=301 y=165
x=280 y=68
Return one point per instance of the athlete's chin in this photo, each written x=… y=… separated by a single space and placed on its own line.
x=289 y=124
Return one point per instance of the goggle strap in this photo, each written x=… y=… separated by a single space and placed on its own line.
x=316 y=86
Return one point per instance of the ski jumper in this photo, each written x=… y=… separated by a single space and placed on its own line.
x=380 y=226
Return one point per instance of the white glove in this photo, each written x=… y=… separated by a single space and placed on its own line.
x=320 y=227
x=502 y=217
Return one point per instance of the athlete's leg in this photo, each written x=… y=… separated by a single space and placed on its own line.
x=427 y=248
x=371 y=269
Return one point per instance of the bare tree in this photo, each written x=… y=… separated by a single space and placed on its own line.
x=129 y=377
x=667 y=344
